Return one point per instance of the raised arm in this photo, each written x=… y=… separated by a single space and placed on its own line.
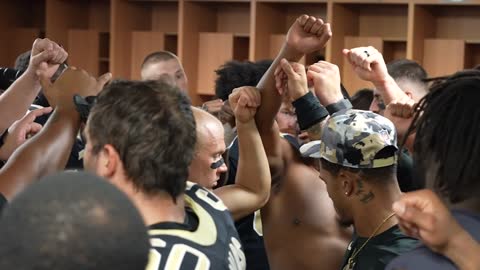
x=15 y=101
x=252 y=184
x=48 y=151
x=325 y=77
x=306 y=35
x=369 y=65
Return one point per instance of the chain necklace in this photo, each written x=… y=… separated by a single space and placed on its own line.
x=351 y=262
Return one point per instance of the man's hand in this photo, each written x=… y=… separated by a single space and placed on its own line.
x=244 y=102
x=46 y=55
x=291 y=79
x=226 y=114
x=213 y=106
x=422 y=215
x=368 y=64
x=72 y=82
x=22 y=130
x=401 y=114
x=308 y=34
x=326 y=82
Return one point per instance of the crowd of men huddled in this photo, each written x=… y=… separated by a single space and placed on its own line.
x=283 y=170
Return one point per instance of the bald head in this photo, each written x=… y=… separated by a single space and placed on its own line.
x=207 y=165
x=208 y=126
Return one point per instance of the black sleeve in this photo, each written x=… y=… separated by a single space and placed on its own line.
x=343 y=104
x=309 y=111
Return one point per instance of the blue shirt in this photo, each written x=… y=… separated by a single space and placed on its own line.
x=423 y=258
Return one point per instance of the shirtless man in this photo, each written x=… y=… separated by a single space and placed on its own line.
x=300 y=226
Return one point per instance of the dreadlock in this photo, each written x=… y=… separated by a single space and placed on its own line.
x=447 y=122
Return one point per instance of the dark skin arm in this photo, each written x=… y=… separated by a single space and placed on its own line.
x=306 y=35
x=48 y=151
x=45 y=153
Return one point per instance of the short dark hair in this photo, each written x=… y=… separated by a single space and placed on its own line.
x=407 y=69
x=362 y=99
x=373 y=174
x=159 y=56
x=447 y=123
x=72 y=221
x=151 y=125
x=235 y=74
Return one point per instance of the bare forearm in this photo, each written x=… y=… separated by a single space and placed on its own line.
x=271 y=99
x=389 y=90
x=271 y=102
x=55 y=153
x=252 y=184
x=17 y=99
x=45 y=153
x=464 y=251
x=253 y=173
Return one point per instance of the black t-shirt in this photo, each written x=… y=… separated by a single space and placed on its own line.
x=3 y=202
x=405 y=173
x=380 y=250
x=251 y=238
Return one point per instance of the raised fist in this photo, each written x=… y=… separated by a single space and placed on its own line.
x=291 y=79
x=308 y=34
x=244 y=102
x=326 y=82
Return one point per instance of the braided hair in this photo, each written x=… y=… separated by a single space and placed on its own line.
x=447 y=121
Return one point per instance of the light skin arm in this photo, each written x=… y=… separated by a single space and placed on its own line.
x=213 y=106
x=423 y=215
x=326 y=83
x=306 y=35
x=15 y=101
x=48 y=151
x=369 y=65
x=252 y=184
x=463 y=251
x=401 y=114
x=20 y=131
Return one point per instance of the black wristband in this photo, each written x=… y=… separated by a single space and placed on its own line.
x=343 y=104
x=309 y=111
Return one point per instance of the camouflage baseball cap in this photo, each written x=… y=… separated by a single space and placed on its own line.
x=356 y=138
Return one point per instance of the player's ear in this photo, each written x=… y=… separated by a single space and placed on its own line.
x=347 y=182
x=108 y=161
x=409 y=93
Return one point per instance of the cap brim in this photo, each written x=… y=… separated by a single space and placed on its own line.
x=311 y=149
